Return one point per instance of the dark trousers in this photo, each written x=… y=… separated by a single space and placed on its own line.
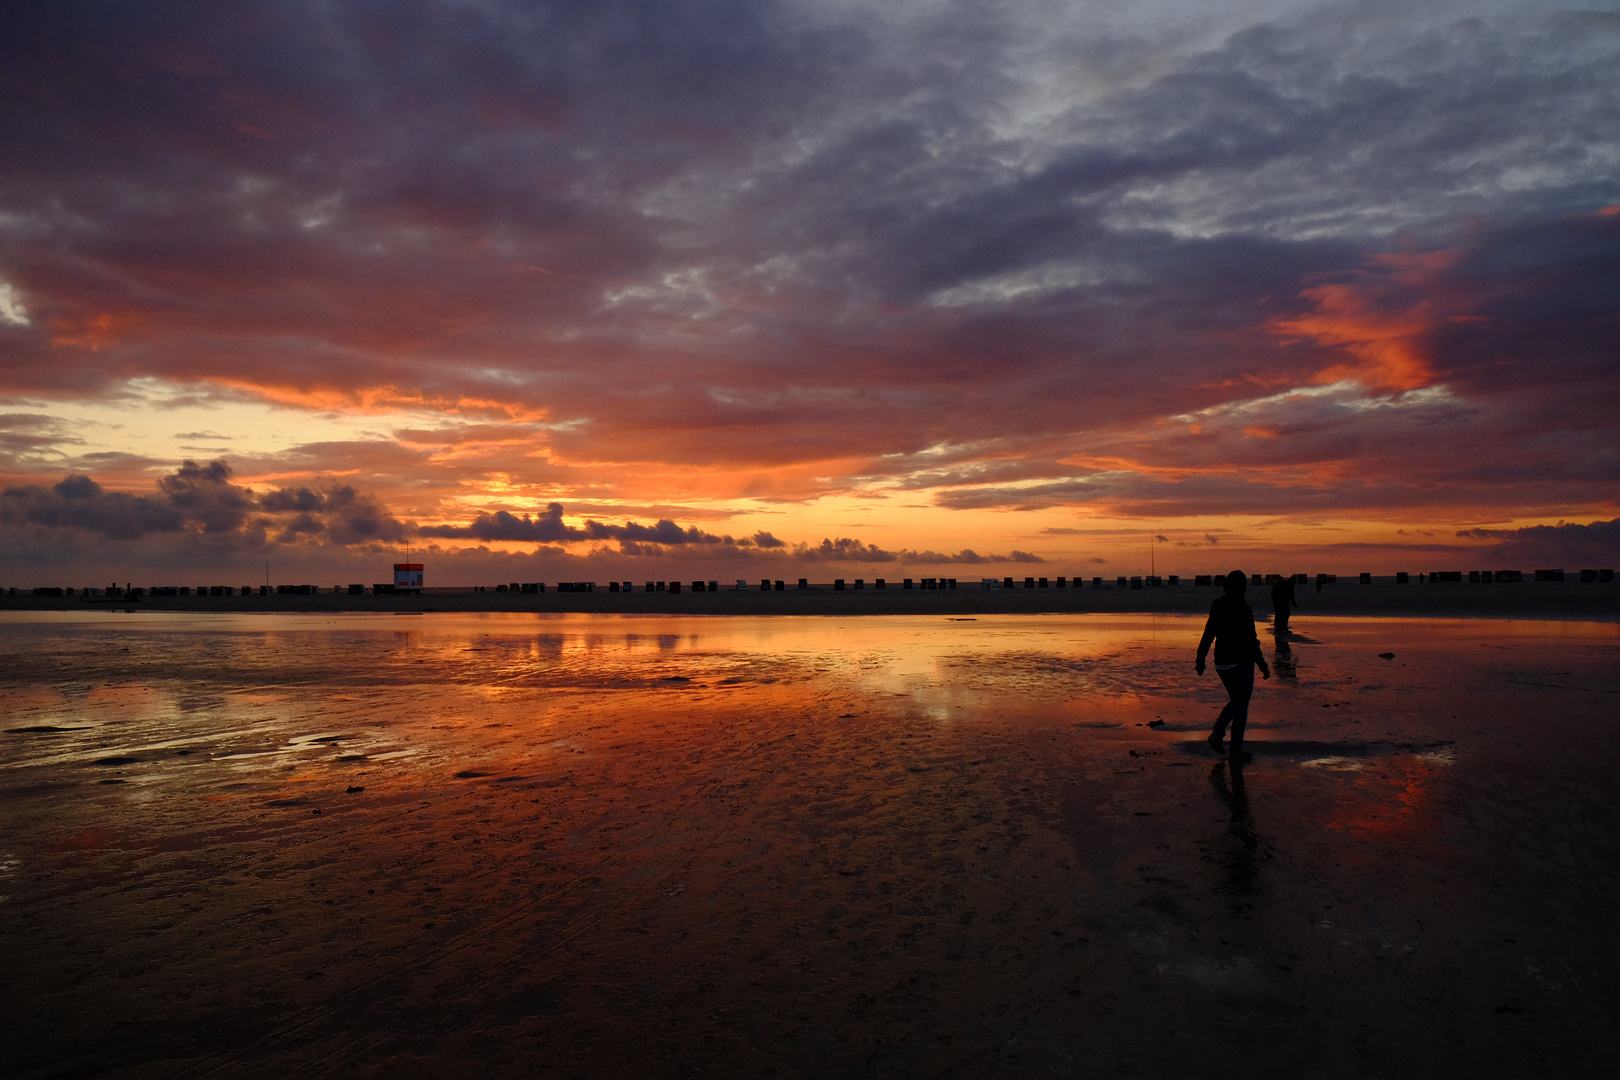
x=1239 y=683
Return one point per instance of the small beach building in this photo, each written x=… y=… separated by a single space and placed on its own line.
x=408 y=577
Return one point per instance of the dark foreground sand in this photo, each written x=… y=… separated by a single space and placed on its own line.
x=394 y=846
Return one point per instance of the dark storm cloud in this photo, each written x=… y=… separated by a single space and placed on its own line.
x=79 y=502
x=758 y=235
x=549 y=527
x=846 y=550
x=344 y=514
x=666 y=537
x=199 y=499
x=1593 y=545
x=350 y=517
x=969 y=557
x=664 y=532
x=205 y=494
x=843 y=550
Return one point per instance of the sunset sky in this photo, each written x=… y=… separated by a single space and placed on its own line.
x=744 y=288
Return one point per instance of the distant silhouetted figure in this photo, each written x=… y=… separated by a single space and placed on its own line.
x=1282 y=600
x=1237 y=653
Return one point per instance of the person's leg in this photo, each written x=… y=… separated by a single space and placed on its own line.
x=1239 y=683
x=1226 y=712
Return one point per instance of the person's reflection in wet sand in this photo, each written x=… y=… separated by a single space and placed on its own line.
x=1242 y=861
x=1283 y=657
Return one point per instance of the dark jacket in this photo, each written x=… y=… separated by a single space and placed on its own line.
x=1231 y=628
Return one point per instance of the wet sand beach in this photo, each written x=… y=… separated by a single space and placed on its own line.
x=929 y=844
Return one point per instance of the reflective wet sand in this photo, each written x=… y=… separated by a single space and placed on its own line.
x=274 y=845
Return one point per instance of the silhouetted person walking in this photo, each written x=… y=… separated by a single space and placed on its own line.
x=1282 y=602
x=1237 y=653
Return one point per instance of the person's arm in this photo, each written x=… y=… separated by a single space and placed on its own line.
x=1209 y=636
x=1259 y=656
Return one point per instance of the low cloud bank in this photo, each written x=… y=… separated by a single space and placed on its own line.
x=549 y=527
x=845 y=550
x=1566 y=544
x=199 y=515
x=201 y=499
x=201 y=504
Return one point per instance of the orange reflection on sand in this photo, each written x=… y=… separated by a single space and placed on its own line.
x=1395 y=800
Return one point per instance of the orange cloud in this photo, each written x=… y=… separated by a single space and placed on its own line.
x=382 y=400
x=1359 y=318
x=96 y=332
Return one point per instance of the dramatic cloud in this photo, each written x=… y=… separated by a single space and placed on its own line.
x=201 y=499
x=1591 y=546
x=844 y=550
x=635 y=539
x=967 y=556
x=550 y=528
x=853 y=552
x=501 y=525
x=1165 y=263
x=79 y=502
x=204 y=494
